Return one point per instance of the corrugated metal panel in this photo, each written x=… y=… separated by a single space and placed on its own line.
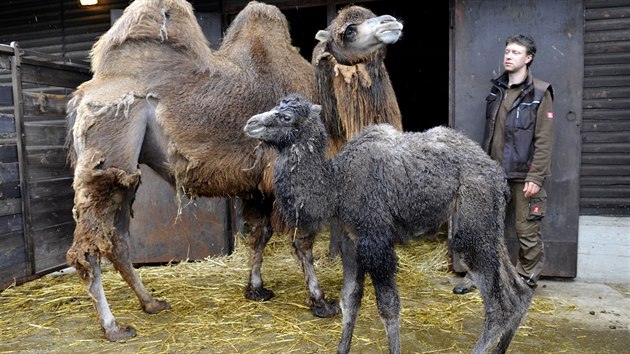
x=605 y=171
x=62 y=28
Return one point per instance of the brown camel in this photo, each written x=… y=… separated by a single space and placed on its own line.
x=161 y=97
x=353 y=84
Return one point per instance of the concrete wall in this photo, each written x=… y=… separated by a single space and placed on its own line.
x=604 y=249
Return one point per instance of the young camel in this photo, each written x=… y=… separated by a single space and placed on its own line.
x=387 y=187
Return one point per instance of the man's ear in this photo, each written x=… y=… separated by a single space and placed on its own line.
x=529 y=58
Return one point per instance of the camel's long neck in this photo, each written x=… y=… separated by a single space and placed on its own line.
x=303 y=184
x=356 y=96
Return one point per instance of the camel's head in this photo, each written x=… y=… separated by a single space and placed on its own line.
x=169 y=22
x=293 y=119
x=357 y=35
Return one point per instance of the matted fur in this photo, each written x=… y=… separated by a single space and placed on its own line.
x=161 y=97
x=354 y=87
x=387 y=187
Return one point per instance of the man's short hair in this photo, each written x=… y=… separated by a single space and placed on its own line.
x=525 y=41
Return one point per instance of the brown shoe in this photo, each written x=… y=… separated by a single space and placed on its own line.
x=464 y=287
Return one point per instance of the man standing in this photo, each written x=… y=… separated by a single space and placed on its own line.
x=519 y=135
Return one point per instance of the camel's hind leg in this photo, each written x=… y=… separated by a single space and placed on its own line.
x=122 y=260
x=107 y=142
x=506 y=297
x=351 y=292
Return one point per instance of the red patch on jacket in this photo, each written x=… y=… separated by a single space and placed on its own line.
x=550 y=115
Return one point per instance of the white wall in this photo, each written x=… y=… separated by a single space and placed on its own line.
x=604 y=249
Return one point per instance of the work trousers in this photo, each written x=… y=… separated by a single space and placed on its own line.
x=531 y=254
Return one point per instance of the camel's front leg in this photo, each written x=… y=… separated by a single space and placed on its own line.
x=303 y=251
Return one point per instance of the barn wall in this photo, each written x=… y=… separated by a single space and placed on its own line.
x=36 y=183
x=605 y=169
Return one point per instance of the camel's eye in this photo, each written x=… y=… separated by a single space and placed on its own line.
x=350 y=33
x=286 y=118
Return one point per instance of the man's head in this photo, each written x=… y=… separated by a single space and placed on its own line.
x=520 y=51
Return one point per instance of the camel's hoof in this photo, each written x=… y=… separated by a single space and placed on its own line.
x=120 y=333
x=326 y=308
x=260 y=294
x=155 y=306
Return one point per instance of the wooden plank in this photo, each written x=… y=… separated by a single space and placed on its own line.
x=605 y=114
x=11 y=223
x=9 y=172
x=605 y=147
x=593 y=4
x=613 y=103
x=6 y=96
x=609 y=24
x=606 y=159
x=606 y=126
x=606 y=35
x=44 y=103
x=607 y=47
x=606 y=70
x=12 y=257
x=608 y=92
x=604 y=180
x=9 y=190
x=607 y=12
x=41 y=75
x=46 y=212
x=595 y=170
x=47 y=162
x=51 y=245
x=607 y=137
x=58 y=187
x=7 y=127
x=607 y=202
x=10 y=206
x=605 y=192
x=8 y=153
x=5 y=61
x=604 y=81
x=45 y=133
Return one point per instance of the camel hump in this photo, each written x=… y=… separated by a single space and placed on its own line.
x=158 y=22
x=258 y=19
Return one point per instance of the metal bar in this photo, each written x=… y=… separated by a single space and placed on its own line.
x=18 y=108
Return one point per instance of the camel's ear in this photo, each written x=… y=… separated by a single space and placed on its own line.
x=322 y=35
x=316 y=109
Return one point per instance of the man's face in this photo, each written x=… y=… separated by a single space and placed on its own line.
x=515 y=57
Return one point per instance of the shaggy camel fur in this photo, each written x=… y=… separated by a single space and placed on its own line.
x=387 y=187
x=352 y=81
x=161 y=97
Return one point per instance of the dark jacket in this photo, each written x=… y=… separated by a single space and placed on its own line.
x=527 y=137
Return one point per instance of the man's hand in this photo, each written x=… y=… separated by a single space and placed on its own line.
x=530 y=189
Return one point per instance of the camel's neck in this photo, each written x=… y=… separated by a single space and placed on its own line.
x=303 y=184
x=356 y=96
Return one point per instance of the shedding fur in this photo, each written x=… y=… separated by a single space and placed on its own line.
x=160 y=96
x=387 y=187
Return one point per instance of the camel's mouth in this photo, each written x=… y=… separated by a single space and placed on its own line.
x=390 y=34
